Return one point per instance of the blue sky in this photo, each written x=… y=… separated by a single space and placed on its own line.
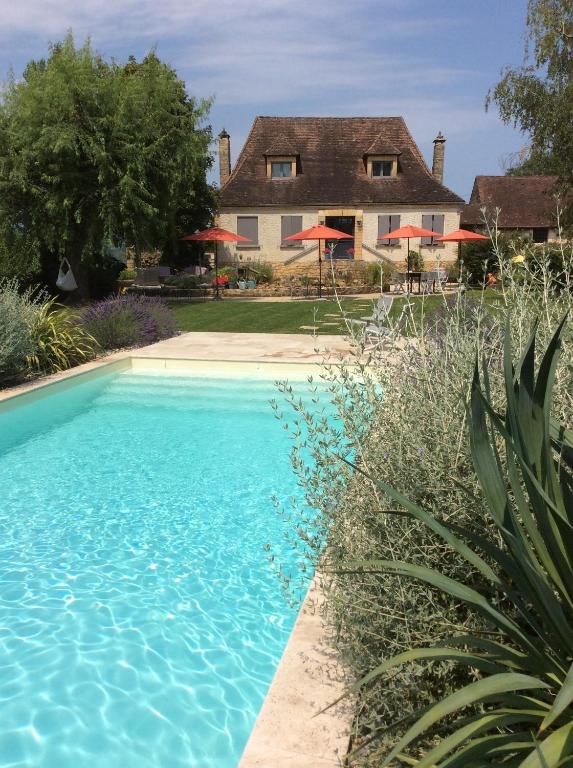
x=433 y=62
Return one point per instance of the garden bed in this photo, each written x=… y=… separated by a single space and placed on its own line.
x=174 y=294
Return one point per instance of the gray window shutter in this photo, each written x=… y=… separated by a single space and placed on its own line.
x=248 y=226
x=427 y=222
x=439 y=224
x=394 y=224
x=383 y=229
x=289 y=226
x=388 y=224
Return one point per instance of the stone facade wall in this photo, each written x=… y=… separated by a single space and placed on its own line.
x=447 y=253
x=269 y=226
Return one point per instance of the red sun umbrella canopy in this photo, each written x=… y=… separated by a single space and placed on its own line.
x=320 y=232
x=216 y=234
x=407 y=232
x=460 y=236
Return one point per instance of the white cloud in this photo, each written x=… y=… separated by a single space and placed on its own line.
x=322 y=57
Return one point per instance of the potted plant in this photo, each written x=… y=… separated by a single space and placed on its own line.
x=126 y=277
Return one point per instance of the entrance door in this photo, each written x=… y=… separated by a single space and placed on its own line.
x=343 y=249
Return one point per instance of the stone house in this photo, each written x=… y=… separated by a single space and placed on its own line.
x=362 y=175
x=523 y=204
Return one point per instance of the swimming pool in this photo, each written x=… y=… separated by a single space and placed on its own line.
x=141 y=621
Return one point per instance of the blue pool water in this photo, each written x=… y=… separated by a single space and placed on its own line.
x=141 y=621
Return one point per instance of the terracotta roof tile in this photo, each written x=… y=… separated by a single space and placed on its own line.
x=281 y=146
x=331 y=167
x=524 y=201
x=381 y=146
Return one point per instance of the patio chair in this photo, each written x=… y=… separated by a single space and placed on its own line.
x=375 y=335
x=442 y=278
x=379 y=318
x=398 y=282
x=427 y=280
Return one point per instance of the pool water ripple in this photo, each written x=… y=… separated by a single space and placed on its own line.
x=140 y=620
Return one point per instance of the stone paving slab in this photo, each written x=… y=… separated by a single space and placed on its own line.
x=289 y=731
x=256 y=347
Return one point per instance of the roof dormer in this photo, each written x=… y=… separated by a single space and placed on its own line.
x=281 y=160
x=381 y=159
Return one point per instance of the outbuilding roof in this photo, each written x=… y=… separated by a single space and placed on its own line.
x=523 y=201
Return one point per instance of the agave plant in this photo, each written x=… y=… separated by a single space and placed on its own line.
x=518 y=711
x=60 y=341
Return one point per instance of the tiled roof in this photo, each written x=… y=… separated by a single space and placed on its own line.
x=281 y=146
x=381 y=146
x=331 y=167
x=524 y=201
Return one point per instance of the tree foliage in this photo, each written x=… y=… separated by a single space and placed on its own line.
x=96 y=153
x=537 y=97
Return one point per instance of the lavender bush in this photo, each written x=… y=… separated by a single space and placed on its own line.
x=128 y=321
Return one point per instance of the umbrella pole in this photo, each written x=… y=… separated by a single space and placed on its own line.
x=408 y=268
x=216 y=297
x=319 y=272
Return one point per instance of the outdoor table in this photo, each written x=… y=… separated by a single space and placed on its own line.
x=415 y=276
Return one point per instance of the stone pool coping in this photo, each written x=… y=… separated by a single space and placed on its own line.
x=289 y=732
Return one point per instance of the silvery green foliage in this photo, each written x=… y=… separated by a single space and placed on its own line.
x=16 y=341
x=402 y=418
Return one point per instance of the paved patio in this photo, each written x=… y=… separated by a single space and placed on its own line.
x=256 y=347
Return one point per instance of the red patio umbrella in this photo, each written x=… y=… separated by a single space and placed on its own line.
x=460 y=236
x=405 y=233
x=216 y=235
x=320 y=232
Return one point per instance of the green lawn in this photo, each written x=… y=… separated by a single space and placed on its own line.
x=268 y=317
x=321 y=317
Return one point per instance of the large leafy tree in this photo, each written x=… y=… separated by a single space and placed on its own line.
x=96 y=153
x=537 y=97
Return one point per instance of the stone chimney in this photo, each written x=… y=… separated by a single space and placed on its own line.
x=224 y=157
x=438 y=161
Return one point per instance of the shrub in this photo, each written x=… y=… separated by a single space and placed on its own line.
x=402 y=420
x=128 y=321
x=482 y=256
x=185 y=281
x=373 y=270
x=60 y=341
x=519 y=709
x=416 y=261
x=16 y=320
x=265 y=272
x=127 y=274
x=230 y=271
x=19 y=255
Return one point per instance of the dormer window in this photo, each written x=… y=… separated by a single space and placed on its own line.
x=281 y=169
x=282 y=159
x=381 y=158
x=381 y=168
